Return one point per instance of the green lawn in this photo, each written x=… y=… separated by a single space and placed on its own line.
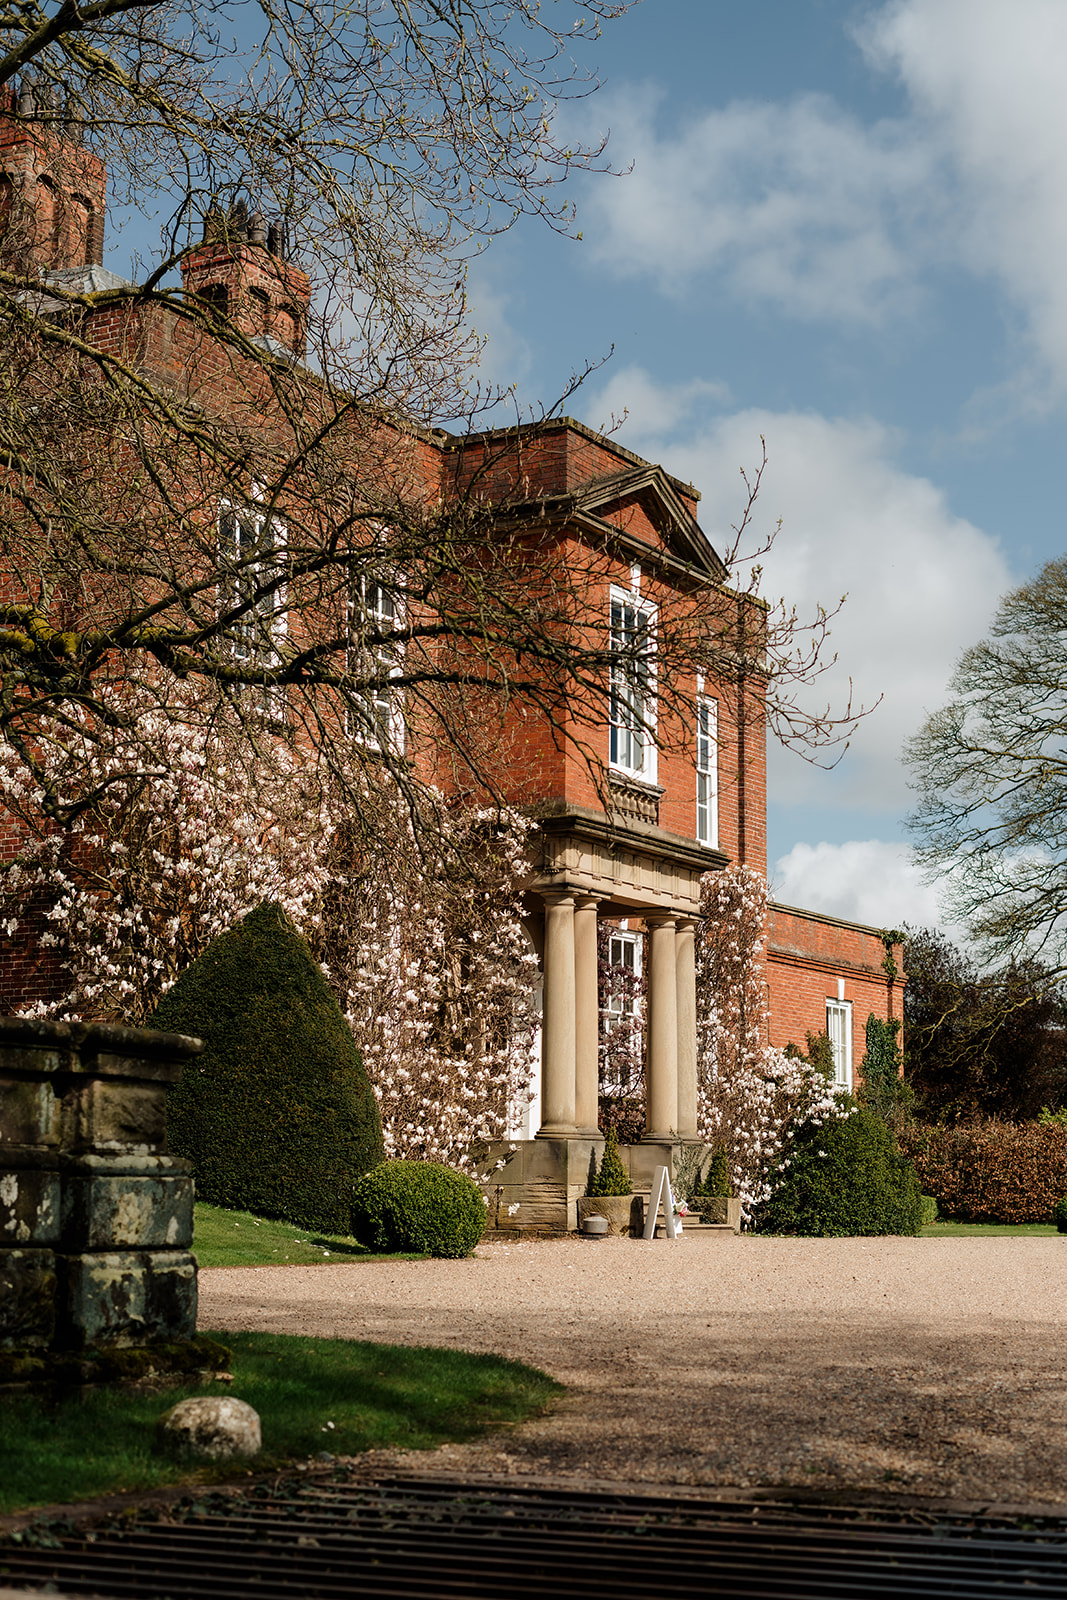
x=237 y=1239
x=987 y=1230
x=312 y=1395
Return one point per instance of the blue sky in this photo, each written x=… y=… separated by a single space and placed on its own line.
x=845 y=230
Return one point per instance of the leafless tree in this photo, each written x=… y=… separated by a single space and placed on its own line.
x=292 y=535
x=990 y=769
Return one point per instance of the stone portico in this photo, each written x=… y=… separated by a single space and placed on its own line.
x=592 y=867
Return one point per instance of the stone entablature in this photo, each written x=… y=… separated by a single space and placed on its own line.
x=638 y=867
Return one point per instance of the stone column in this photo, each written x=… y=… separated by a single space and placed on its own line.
x=686 y=978
x=587 y=1018
x=558 y=1019
x=662 y=1111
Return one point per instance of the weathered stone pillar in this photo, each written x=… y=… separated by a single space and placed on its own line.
x=96 y=1221
x=662 y=1110
x=558 y=1019
x=587 y=1018
x=686 y=978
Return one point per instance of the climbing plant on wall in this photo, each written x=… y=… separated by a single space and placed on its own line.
x=751 y=1097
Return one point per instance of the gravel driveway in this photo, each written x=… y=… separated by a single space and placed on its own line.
x=926 y=1366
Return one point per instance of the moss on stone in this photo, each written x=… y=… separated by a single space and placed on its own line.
x=175 y=1358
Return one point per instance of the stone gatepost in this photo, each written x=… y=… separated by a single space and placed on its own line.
x=96 y=1220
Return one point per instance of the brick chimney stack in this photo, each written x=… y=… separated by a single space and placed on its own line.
x=52 y=189
x=240 y=268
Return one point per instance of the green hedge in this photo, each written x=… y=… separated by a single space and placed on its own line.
x=419 y=1207
x=991 y=1171
x=845 y=1177
x=277 y=1116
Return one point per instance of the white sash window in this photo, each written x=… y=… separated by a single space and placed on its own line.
x=633 y=707
x=373 y=615
x=708 y=772
x=839 y=1029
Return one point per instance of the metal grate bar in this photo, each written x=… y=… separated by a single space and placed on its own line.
x=412 y=1538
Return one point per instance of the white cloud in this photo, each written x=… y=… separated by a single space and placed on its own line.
x=922 y=583
x=799 y=204
x=986 y=81
x=862 y=880
x=803 y=205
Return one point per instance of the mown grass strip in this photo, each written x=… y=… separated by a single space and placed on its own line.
x=988 y=1230
x=312 y=1395
x=238 y=1239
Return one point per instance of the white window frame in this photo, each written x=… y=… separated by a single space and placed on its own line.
x=707 y=775
x=258 y=635
x=632 y=699
x=618 y=1008
x=839 y=1032
x=371 y=601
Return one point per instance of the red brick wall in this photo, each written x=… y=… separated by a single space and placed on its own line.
x=56 y=208
x=807 y=954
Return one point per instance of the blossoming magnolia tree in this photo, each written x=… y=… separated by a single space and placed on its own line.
x=751 y=1097
x=424 y=944
x=416 y=920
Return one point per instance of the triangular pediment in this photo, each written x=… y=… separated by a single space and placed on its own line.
x=665 y=519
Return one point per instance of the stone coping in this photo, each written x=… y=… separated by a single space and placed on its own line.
x=98 y=1038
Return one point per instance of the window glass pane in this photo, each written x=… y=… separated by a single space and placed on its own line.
x=630 y=742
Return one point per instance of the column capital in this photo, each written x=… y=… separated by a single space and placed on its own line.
x=555 y=896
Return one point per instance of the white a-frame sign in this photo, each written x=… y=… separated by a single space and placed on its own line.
x=661 y=1194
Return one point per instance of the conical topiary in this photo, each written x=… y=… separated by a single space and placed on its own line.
x=611 y=1177
x=277 y=1116
x=717 y=1183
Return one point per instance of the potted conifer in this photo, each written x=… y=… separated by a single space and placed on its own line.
x=610 y=1194
x=712 y=1198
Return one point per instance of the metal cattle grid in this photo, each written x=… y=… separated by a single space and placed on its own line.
x=426 y=1537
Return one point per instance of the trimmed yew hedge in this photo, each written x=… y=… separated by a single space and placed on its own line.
x=991 y=1171
x=277 y=1115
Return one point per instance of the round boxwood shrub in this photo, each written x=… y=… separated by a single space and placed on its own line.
x=418 y=1206
x=845 y=1177
x=1059 y=1215
x=277 y=1115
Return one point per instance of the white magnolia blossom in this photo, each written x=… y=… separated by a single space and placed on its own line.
x=751 y=1096
x=418 y=928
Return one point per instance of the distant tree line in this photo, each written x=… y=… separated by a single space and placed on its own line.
x=981 y=1044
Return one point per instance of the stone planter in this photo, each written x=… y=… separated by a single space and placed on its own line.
x=625 y=1213
x=716 y=1208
